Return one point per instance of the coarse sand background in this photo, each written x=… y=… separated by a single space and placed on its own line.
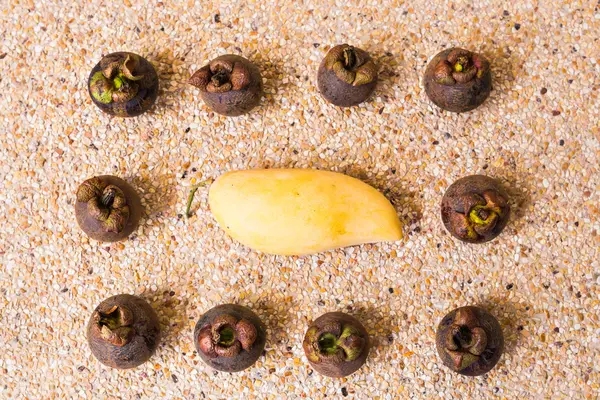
x=538 y=132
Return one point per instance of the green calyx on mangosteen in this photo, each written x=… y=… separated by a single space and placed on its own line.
x=230 y=337
x=336 y=344
x=123 y=84
x=347 y=76
x=469 y=341
x=107 y=208
x=229 y=85
x=123 y=331
x=458 y=80
x=475 y=209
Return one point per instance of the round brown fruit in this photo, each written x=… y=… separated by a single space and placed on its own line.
x=123 y=84
x=229 y=85
x=230 y=337
x=469 y=341
x=347 y=76
x=336 y=344
x=107 y=208
x=458 y=80
x=475 y=209
x=123 y=331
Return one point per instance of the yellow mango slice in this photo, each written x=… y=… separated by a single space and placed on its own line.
x=301 y=211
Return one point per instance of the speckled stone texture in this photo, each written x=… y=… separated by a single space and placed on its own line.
x=538 y=133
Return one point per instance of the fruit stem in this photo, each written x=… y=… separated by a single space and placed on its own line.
x=462 y=336
x=226 y=337
x=482 y=215
x=349 y=58
x=328 y=343
x=193 y=191
x=107 y=198
x=220 y=78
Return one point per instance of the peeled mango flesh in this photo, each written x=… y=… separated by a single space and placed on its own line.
x=301 y=211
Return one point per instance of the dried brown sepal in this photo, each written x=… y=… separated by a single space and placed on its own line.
x=459 y=55
x=336 y=344
x=461 y=226
x=443 y=73
x=125 y=93
x=123 y=331
x=114 y=325
x=466 y=317
x=246 y=333
x=334 y=55
x=129 y=66
x=222 y=321
x=342 y=73
x=240 y=76
x=206 y=343
x=117 y=219
x=217 y=66
x=475 y=209
x=494 y=199
x=478 y=342
x=106 y=203
x=338 y=356
x=367 y=73
x=110 y=65
x=459 y=67
x=228 y=351
x=243 y=335
x=351 y=65
x=215 y=86
x=465 y=341
x=469 y=341
x=462 y=360
x=89 y=189
x=352 y=343
x=221 y=76
x=466 y=201
x=119 y=336
x=331 y=327
x=465 y=75
x=201 y=78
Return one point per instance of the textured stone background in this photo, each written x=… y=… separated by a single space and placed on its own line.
x=539 y=133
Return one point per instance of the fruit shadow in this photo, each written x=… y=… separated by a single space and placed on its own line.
x=270 y=70
x=518 y=188
x=519 y=197
x=155 y=200
x=276 y=320
x=380 y=326
x=166 y=98
x=504 y=76
x=172 y=313
x=498 y=306
x=389 y=78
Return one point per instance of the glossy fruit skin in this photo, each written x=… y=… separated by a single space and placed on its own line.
x=340 y=93
x=337 y=369
x=461 y=97
x=145 y=98
x=93 y=228
x=234 y=103
x=244 y=359
x=493 y=350
x=468 y=186
x=144 y=340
